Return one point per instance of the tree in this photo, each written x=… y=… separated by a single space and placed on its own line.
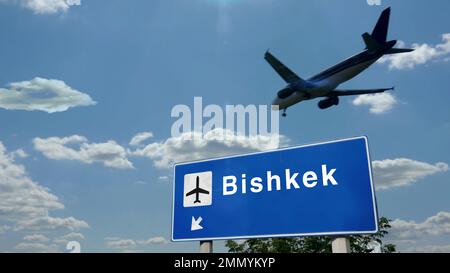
x=320 y=244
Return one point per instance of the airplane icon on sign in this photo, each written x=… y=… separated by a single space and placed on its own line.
x=197 y=191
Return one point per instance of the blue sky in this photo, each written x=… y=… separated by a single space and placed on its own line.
x=122 y=65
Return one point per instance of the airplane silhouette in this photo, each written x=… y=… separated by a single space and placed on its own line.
x=197 y=191
x=324 y=84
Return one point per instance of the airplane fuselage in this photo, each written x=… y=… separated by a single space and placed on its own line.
x=197 y=197
x=323 y=83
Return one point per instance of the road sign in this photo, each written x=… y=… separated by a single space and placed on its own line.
x=319 y=189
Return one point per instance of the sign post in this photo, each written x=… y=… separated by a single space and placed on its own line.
x=341 y=245
x=322 y=189
x=206 y=246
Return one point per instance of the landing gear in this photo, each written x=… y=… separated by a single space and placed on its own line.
x=284 y=112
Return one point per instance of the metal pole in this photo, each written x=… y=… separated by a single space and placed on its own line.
x=206 y=246
x=341 y=245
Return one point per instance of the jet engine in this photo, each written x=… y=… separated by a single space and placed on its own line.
x=327 y=103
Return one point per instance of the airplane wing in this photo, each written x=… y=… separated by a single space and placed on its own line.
x=354 y=92
x=191 y=192
x=281 y=69
x=200 y=190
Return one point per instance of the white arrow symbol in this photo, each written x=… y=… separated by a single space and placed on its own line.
x=196 y=223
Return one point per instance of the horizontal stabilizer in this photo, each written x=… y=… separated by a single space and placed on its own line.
x=359 y=91
x=281 y=69
x=399 y=50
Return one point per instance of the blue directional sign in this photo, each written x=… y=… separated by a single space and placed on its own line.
x=319 y=189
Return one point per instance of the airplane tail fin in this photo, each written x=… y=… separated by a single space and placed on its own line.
x=378 y=39
x=380 y=31
x=371 y=43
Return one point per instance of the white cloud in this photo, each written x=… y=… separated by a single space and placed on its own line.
x=413 y=236
x=37 y=247
x=398 y=172
x=51 y=223
x=73 y=236
x=26 y=206
x=193 y=146
x=139 y=138
x=120 y=243
x=45 y=6
x=424 y=53
x=435 y=225
x=19 y=154
x=154 y=241
x=36 y=238
x=4 y=228
x=188 y=146
x=42 y=94
x=110 y=154
x=429 y=249
x=379 y=103
x=20 y=197
x=128 y=251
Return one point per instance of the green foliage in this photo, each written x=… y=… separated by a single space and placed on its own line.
x=321 y=244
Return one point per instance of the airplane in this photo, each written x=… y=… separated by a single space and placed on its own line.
x=197 y=191
x=324 y=84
